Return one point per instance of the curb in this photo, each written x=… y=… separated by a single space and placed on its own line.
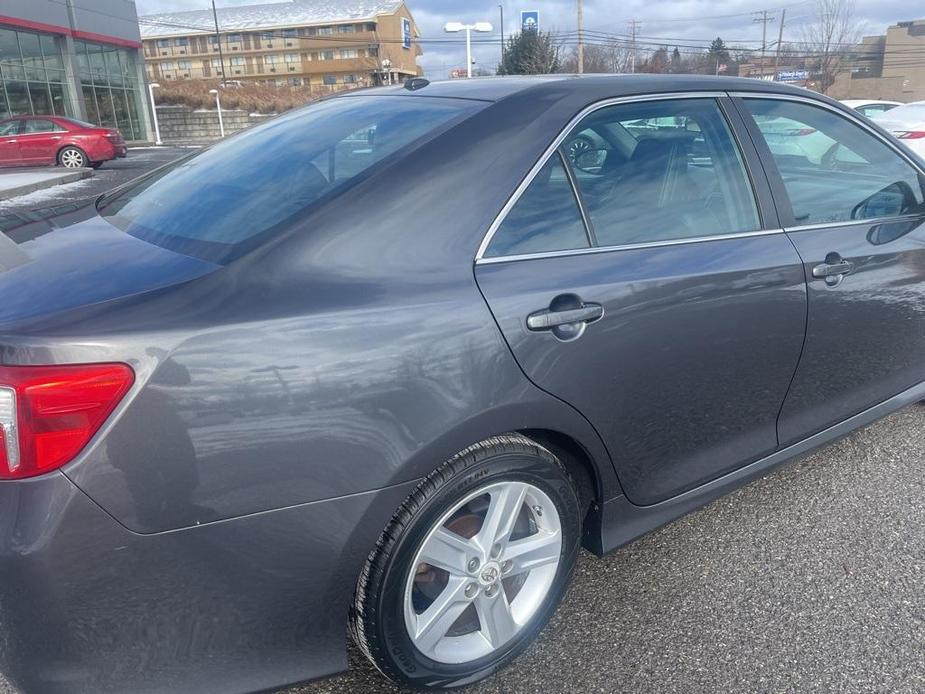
x=26 y=188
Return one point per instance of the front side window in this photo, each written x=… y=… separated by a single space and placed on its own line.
x=833 y=169
x=203 y=206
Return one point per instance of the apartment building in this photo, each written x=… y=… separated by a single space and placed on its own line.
x=889 y=66
x=313 y=44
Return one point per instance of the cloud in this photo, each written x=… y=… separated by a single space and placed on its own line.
x=675 y=21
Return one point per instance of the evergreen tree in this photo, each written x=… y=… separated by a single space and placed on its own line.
x=718 y=52
x=530 y=53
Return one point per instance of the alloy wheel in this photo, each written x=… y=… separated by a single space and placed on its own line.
x=72 y=158
x=482 y=572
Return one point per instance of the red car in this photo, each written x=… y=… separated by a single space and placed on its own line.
x=55 y=140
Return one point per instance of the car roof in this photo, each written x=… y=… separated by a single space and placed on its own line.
x=497 y=88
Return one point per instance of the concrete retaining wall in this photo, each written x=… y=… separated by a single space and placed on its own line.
x=183 y=125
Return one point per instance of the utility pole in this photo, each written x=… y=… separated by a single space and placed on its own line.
x=780 y=42
x=218 y=39
x=581 y=45
x=501 y=10
x=765 y=17
x=634 y=27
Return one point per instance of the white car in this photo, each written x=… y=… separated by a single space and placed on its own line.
x=907 y=123
x=871 y=108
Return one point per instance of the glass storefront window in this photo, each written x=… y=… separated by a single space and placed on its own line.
x=33 y=80
x=32 y=59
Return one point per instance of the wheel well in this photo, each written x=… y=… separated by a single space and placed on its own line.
x=575 y=459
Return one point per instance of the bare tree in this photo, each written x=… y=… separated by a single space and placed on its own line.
x=830 y=39
x=610 y=57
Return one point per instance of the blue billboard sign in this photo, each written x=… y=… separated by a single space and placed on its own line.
x=529 y=21
x=405 y=32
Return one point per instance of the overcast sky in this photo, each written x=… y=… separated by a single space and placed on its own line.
x=684 y=21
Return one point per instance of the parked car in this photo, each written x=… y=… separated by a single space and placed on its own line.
x=56 y=140
x=871 y=108
x=908 y=124
x=397 y=381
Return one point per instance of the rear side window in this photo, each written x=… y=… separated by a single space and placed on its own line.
x=643 y=172
x=545 y=218
x=231 y=197
x=35 y=125
x=833 y=169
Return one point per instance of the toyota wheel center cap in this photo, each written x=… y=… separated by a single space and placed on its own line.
x=489 y=573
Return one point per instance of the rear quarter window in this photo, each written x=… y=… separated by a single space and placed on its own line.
x=233 y=196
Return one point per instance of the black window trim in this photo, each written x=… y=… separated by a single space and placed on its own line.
x=718 y=96
x=848 y=114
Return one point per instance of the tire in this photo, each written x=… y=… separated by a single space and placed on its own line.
x=72 y=157
x=95 y=164
x=397 y=587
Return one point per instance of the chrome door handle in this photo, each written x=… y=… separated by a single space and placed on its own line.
x=833 y=270
x=547 y=319
x=842 y=267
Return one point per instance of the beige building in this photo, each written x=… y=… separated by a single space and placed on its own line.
x=314 y=44
x=890 y=66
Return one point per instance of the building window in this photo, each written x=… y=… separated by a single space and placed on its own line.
x=345 y=28
x=348 y=53
x=184 y=64
x=326 y=55
x=292 y=58
x=163 y=43
x=168 y=66
x=330 y=79
x=234 y=38
x=271 y=59
x=350 y=79
x=213 y=40
x=216 y=62
x=183 y=41
x=295 y=81
x=267 y=36
x=325 y=31
x=290 y=33
x=237 y=61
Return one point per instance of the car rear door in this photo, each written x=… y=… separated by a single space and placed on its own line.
x=9 y=145
x=39 y=140
x=642 y=278
x=857 y=219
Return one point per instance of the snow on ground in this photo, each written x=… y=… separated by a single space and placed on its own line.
x=47 y=196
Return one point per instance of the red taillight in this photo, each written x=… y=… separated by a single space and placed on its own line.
x=911 y=135
x=49 y=413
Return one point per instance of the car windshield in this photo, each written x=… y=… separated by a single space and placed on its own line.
x=230 y=198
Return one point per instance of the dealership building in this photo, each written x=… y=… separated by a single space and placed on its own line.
x=77 y=58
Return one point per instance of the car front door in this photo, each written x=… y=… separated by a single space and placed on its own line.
x=39 y=140
x=9 y=147
x=639 y=278
x=857 y=219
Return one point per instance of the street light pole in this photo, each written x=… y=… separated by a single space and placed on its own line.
x=455 y=27
x=157 y=127
x=501 y=10
x=218 y=38
x=218 y=105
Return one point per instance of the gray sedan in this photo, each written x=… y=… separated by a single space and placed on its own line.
x=387 y=362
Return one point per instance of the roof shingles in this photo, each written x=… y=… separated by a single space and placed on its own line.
x=249 y=17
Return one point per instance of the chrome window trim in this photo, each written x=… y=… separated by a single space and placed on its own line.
x=857 y=119
x=551 y=149
x=854 y=222
x=627 y=247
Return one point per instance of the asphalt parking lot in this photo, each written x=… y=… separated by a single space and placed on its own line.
x=111 y=174
x=809 y=580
